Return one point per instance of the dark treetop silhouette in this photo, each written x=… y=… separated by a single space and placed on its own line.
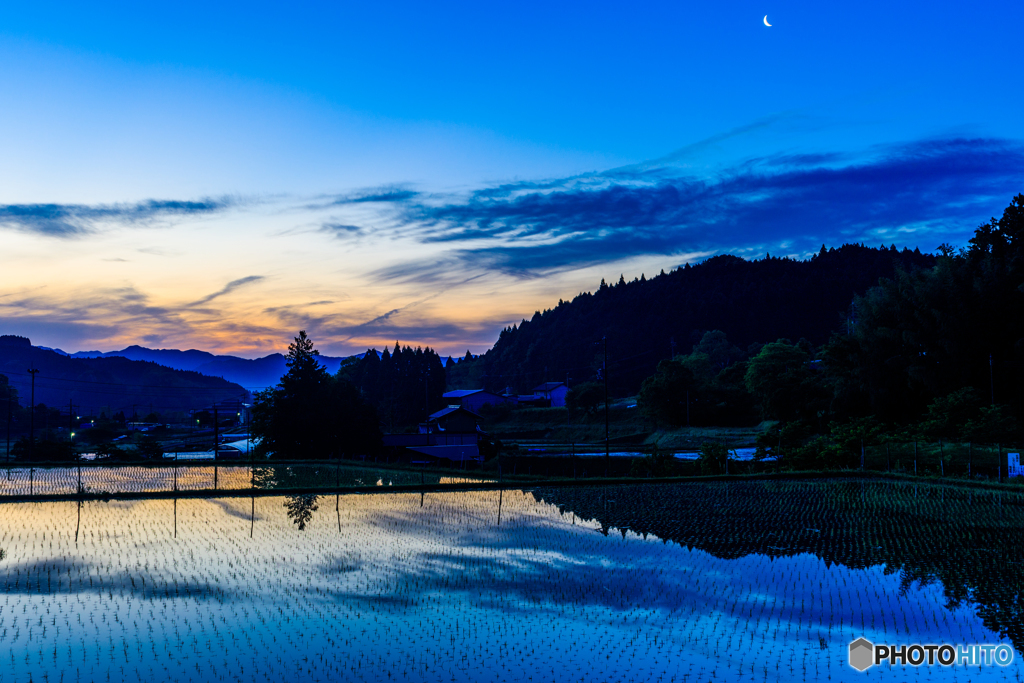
x=312 y=414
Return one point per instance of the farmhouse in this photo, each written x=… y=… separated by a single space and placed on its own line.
x=451 y=434
x=475 y=399
x=553 y=392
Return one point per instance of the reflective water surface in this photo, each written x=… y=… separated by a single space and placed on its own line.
x=28 y=481
x=746 y=581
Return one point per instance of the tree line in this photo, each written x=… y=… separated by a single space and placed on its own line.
x=648 y=320
x=929 y=353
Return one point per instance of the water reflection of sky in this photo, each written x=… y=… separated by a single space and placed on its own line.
x=26 y=481
x=428 y=588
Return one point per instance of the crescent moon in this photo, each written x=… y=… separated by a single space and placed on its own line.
x=766 y=20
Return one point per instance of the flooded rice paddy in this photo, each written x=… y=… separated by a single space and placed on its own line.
x=737 y=581
x=66 y=481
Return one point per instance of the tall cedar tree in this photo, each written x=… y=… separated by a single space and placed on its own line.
x=404 y=384
x=311 y=414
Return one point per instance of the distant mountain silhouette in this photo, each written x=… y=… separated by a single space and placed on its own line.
x=644 y=320
x=110 y=384
x=252 y=374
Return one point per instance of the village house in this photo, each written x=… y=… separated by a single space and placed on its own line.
x=552 y=392
x=475 y=399
x=451 y=433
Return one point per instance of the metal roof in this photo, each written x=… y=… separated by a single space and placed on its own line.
x=448 y=411
x=441 y=413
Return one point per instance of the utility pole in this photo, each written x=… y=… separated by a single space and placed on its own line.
x=607 y=448
x=32 y=417
x=216 y=443
x=991 y=381
x=8 y=425
x=572 y=437
x=71 y=430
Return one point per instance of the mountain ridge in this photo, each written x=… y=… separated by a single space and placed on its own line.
x=108 y=384
x=253 y=374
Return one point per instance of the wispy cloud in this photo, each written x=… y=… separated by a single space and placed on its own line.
x=934 y=189
x=341 y=230
x=228 y=288
x=690 y=151
x=91 y=317
x=118 y=316
x=393 y=194
x=387 y=194
x=76 y=220
x=386 y=323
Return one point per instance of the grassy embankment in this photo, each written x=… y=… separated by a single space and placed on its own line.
x=554 y=430
x=531 y=433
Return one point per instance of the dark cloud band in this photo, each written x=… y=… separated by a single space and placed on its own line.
x=74 y=220
x=925 y=192
x=228 y=288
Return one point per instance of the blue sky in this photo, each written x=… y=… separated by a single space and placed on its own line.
x=436 y=172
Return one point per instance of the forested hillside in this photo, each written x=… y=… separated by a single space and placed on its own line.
x=403 y=385
x=646 y=320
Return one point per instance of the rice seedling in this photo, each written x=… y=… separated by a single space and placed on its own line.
x=147 y=479
x=749 y=581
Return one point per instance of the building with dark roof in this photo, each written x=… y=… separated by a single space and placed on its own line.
x=451 y=433
x=475 y=399
x=553 y=392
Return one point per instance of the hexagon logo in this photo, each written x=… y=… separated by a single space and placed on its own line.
x=861 y=654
